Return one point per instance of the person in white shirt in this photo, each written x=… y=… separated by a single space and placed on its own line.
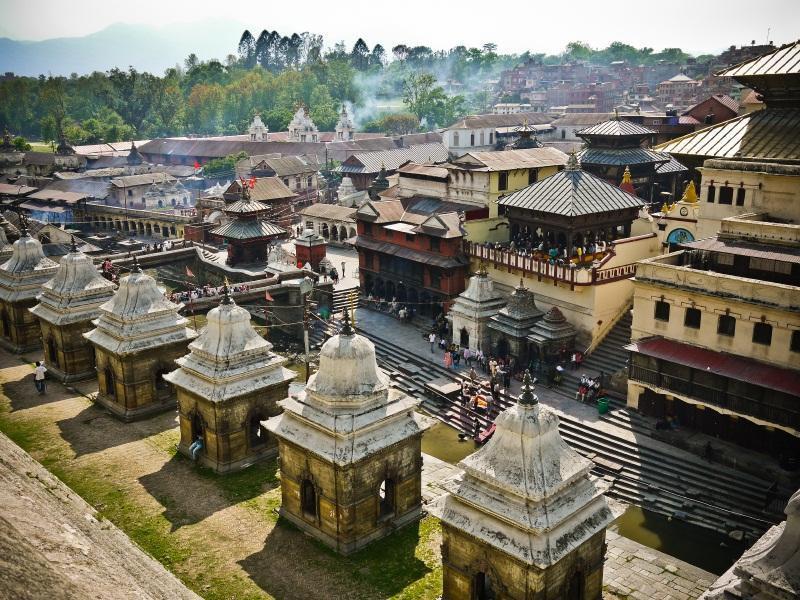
x=432 y=340
x=38 y=377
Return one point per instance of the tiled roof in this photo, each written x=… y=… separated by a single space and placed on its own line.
x=782 y=61
x=286 y=165
x=721 y=363
x=58 y=196
x=621 y=156
x=491 y=120
x=770 y=134
x=571 y=193
x=530 y=158
x=616 y=128
x=240 y=229
x=577 y=119
x=413 y=168
x=371 y=162
x=671 y=166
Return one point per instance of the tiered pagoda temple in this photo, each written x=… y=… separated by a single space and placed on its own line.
x=472 y=310
x=613 y=146
x=249 y=232
x=350 y=448
x=21 y=280
x=509 y=328
x=137 y=340
x=570 y=209
x=67 y=305
x=228 y=383
x=525 y=520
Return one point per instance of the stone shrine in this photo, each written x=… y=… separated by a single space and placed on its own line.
x=21 y=280
x=350 y=448
x=228 y=383
x=137 y=340
x=258 y=131
x=310 y=248
x=510 y=327
x=345 y=132
x=67 y=305
x=302 y=127
x=525 y=520
x=551 y=337
x=472 y=310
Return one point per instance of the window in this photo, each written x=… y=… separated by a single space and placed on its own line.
x=297 y=182
x=503 y=181
x=692 y=318
x=726 y=325
x=724 y=259
x=533 y=175
x=368 y=228
x=482 y=142
x=726 y=195
x=471 y=139
x=286 y=181
x=712 y=193
x=740 y=197
x=491 y=137
x=310 y=181
x=455 y=138
x=762 y=334
x=435 y=244
x=308 y=499
x=409 y=237
x=436 y=278
x=794 y=344
x=563 y=133
x=130 y=192
x=386 y=498
x=661 y=311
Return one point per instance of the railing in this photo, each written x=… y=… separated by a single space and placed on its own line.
x=138 y=213
x=542 y=267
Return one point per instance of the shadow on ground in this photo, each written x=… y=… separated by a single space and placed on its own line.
x=381 y=570
x=190 y=494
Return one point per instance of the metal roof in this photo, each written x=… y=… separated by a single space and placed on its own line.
x=430 y=258
x=616 y=128
x=571 y=193
x=8 y=189
x=720 y=363
x=621 y=156
x=507 y=120
x=783 y=61
x=330 y=211
x=671 y=166
x=575 y=119
x=413 y=168
x=776 y=253
x=769 y=134
x=371 y=162
x=507 y=160
x=240 y=229
x=246 y=206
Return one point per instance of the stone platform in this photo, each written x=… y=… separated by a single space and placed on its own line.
x=632 y=571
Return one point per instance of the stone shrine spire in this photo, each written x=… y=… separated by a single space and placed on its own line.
x=345 y=132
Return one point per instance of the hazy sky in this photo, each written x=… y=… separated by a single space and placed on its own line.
x=515 y=25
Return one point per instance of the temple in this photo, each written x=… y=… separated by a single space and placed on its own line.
x=302 y=127
x=509 y=328
x=21 y=280
x=137 y=340
x=350 y=448
x=67 y=305
x=345 y=132
x=472 y=309
x=525 y=520
x=257 y=131
x=228 y=383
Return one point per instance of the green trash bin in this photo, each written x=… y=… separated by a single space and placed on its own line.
x=602 y=406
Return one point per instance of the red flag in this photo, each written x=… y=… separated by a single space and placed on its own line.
x=189 y=272
x=299 y=264
x=268 y=296
x=196 y=165
x=252 y=182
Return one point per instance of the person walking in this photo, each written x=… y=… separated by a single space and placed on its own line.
x=432 y=340
x=448 y=359
x=39 y=377
x=507 y=378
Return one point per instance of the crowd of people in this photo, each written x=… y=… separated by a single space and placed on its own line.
x=206 y=291
x=538 y=247
x=402 y=311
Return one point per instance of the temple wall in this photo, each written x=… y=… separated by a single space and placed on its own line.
x=20 y=328
x=70 y=356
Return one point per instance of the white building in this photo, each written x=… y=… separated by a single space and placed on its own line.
x=302 y=128
x=510 y=108
x=345 y=132
x=257 y=130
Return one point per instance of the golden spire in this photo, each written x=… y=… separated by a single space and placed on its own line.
x=626 y=176
x=690 y=193
x=664 y=208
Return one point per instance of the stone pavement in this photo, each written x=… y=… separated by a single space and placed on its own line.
x=632 y=571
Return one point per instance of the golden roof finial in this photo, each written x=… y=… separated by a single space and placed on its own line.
x=626 y=176
x=690 y=193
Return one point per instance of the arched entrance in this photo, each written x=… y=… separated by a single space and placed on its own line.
x=463 y=338
x=5 y=323
x=324 y=232
x=108 y=383
x=334 y=234
x=401 y=293
x=257 y=433
x=52 y=351
x=503 y=347
x=308 y=499
x=342 y=233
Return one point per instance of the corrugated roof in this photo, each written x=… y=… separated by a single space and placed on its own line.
x=58 y=196
x=777 y=253
x=371 y=162
x=621 y=156
x=8 y=189
x=571 y=193
x=577 y=119
x=772 y=134
x=615 y=127
x=144 y=179
x=530 y=158
x=240 y=229
x=246 y=206
x=426 y=170
x=287 y=165
x=266 y=189
x=782 y=61
x=330 y=211
x=721 y=363
x=510 y=120
x=672 y=166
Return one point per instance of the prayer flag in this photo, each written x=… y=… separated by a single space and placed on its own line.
x=189 y=272
x=268 y=296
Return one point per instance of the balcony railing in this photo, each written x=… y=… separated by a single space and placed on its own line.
x=542 y=267
x=138 y=213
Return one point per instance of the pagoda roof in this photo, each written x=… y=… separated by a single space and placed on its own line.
x=621 y=156
x=769 y=134
x=571 y=192
x=22 y=276
x=241 y=229
x=615 y=127
x=246 y=206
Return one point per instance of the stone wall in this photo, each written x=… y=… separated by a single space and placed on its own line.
x=20 y=329
x=69 y=356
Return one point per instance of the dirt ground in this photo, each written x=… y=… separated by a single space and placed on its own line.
x=220 y=535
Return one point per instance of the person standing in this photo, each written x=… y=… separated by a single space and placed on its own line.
x=507 y=377
x=343 y=270
x=39 y=377
x=448 y=359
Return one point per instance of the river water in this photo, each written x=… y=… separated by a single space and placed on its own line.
x=698 y=546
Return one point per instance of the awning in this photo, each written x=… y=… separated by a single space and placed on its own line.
x=35 y=206
x=720 y=363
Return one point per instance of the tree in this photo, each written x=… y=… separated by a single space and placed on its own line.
x=359 y=57
x=21 y=144
x=424 y=98
x=247 y=49
x=579 y=51
x=261 y=50
x=378 y=57
x=400 y=52
x=399 y=123
x=323 y=108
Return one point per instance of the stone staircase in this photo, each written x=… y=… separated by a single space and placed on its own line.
x=608 y=357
